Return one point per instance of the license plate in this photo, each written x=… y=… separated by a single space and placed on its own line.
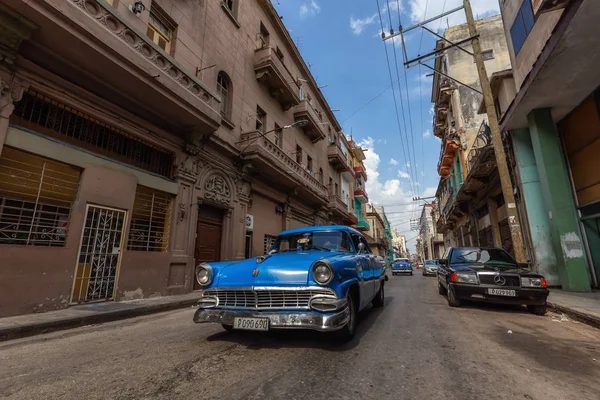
x=502 y=292
x=251 y=324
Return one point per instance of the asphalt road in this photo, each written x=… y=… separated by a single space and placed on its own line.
x=416 y=347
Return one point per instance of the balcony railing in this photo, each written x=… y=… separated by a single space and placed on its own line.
x=336 y=203
x=275 y=160
x=314 y=128
x=481 y=143
x=337 y=158
x=360 y=169
x=271 y=71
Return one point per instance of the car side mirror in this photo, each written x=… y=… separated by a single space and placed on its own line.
x=361 y=248
x=443 y=262
x=272 y=251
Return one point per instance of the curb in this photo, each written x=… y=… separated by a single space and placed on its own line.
x=22 y=331
x=588 y=319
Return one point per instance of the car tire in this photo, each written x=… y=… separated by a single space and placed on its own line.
x=228 y=328
x=441 y=290
x=346 y=334
x=538 y=310
x=379 y=299
x=411 y=274
x=453 y=301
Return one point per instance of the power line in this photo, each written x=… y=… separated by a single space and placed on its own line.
x=387 y=57
x=367 y=103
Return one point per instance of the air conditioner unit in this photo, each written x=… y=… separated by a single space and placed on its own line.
x=249 y=221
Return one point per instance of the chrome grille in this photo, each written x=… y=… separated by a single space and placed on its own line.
x=511 y=280
x=267 y=298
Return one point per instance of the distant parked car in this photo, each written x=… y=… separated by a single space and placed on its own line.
x=315 y=278
x=401 y=266
x=430 y=267
x=490 y=275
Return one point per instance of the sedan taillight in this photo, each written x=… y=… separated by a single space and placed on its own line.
x=544 y=284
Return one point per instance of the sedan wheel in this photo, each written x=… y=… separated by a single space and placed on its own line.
x=453 y=301
x=228 y=328
x=538 y=310
x=441 y=289
x=379 y=298
x=347 y=332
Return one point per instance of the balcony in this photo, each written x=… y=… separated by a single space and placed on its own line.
x=270 y=71
x=352 y=219
x=110 y=58
x=361 y=170
x=337 y=206
x=544 y=6
x=314 y=128
x=280 y=169
x=449 y=150
x=361 y=195
x=362 y=226
x=481 y=149
x=337 y=158
x=446 y=90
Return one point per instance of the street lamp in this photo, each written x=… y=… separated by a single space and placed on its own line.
x=297 y=124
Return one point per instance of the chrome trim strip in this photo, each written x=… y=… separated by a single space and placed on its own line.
x=298 y=320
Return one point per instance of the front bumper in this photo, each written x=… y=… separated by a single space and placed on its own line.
x=401 y=271
x=317 y=321
x=429 y=272
x=525 y=296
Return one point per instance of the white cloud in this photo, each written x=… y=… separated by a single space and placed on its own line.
x=427 y=133
x=408 y=164
x=309 y=9
x=397 y=201
x=393 y=161
x=416 y=10
x=358 y=25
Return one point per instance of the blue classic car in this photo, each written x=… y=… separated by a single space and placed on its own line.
x=401 y=266
x=315 y=278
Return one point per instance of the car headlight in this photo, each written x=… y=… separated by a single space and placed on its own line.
x=322 y=272
x=533 y=282
x=204 y=274
x=465 y=278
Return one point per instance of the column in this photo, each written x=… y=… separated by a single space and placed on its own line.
x=11 y=91
x=558 y=198
x=537 y=215
x=493 y=212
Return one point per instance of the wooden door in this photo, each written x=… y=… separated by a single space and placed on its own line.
x=208 y=237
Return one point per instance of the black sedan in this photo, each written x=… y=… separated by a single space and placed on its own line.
x=489 y=275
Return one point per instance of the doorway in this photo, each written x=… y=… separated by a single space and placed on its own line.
x=209 y=231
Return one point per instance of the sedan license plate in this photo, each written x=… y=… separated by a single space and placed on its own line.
x=251 y=324
x=502 y=292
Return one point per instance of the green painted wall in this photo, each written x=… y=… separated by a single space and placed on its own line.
x=558 y=199
x=537 y=215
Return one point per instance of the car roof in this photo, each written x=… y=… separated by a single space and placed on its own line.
x=476 y=248
x=320 y=229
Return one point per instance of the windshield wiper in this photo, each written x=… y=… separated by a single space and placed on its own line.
x=312 y=246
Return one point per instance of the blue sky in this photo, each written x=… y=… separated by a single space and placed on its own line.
x=341 y=42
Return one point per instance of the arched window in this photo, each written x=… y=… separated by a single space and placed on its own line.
x=224 y=90
x=321 y=175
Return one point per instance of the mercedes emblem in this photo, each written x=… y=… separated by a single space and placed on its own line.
x=499 y=280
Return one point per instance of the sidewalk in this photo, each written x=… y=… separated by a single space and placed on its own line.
x=76 y=316
x=582 y=306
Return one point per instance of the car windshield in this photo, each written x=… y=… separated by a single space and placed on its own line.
x=401 y=260
x=431 y=263
x=326 y=240
x=496 y=257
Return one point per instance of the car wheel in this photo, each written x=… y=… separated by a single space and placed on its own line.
x=347 y=332
x=411 y=274
x=379 y=297
x=228 y=328
x=441 y=289
x=453 y=301
x=538 y=310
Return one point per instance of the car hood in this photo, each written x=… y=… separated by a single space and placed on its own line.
x=487 y=268
x=401 y=265
x=279 y=269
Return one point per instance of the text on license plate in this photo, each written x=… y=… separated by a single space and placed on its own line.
x=251 y=324
x=502 y=292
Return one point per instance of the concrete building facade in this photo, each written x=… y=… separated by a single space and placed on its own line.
x=136 y=142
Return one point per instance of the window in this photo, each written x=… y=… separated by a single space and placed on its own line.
x=487 y=55
x=279 y=53
x=229 y=5
x=224 y=91
x=160 y=28
x=248 y=249
x=301 y=93
x=337 y=190
x=269 y=242
x=36 y=195
x=522 y=26
x=278 y=136
x=263 y=37
x=309 y=163
x=261 y=119
x=332 y=240
x=321 y=175
x=298 y=154
x=150 y=220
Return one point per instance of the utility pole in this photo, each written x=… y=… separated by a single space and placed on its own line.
x=505 y=182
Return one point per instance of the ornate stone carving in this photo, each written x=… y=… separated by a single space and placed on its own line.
x=194 y=142
x=190 y=165
x=11 y=91
x=146 y=49
x=217 y=190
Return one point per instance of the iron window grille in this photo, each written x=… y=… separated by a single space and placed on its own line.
x=55 y=119
x=36 y=195
x=269 y=243
x=150 y=220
